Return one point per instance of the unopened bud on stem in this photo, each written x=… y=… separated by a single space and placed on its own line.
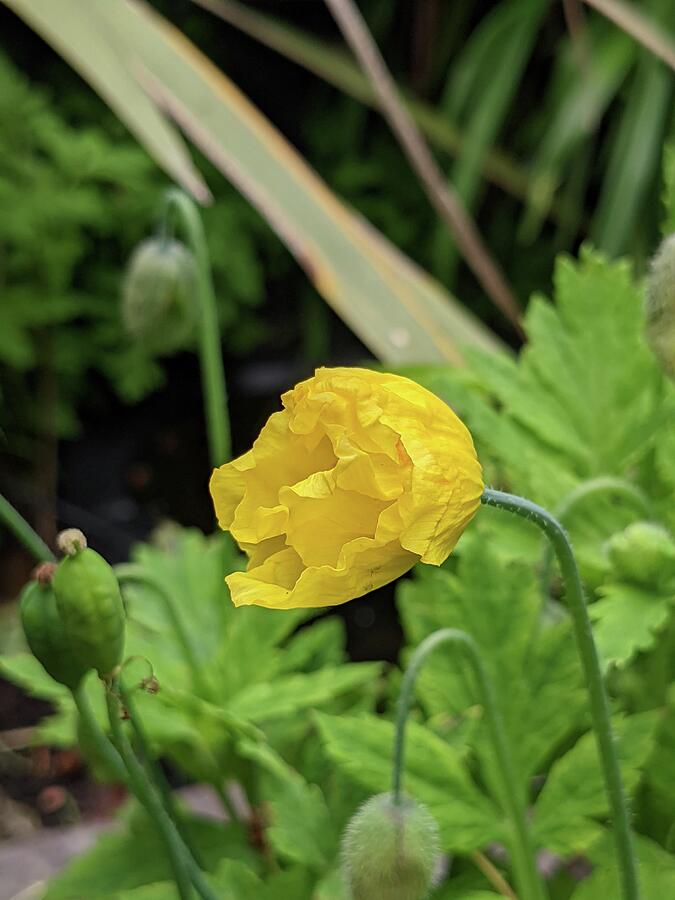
x=157 y=297
x=390 y=851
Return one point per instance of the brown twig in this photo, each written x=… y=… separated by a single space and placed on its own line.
x=441 y=195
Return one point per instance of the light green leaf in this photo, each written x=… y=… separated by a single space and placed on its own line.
x=626 y=620
x=301 y=828
x=100 y=873
x=286 y=695
x=586 y=359
x=434 y=774
x=498 y=602
x=656 y=870
x=574 y=798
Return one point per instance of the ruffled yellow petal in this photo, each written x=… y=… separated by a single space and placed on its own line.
x=361 y=475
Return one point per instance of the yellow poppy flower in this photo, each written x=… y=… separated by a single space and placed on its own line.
x=360 y=476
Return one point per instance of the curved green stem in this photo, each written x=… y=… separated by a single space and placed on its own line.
x=186 y=871
x=211 y=362
x=530 y=885
x=607 y=484
x=596 y=688
x=105 y=749
x=128 y=572
x=23 y=532
x=147 y=796
x=148 y=760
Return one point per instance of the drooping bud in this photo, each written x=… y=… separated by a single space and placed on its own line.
x=644 y=553
x=660 y=305
x=90 y=606
x=71 y=541
x=157 y=295
x=45 y=633
x=390 y=851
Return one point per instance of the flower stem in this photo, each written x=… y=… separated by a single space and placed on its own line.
x=104 y=747
x=594 y=487
x=186 y=871
x=23 y=532
x=530 y=885
x=211 y=362
x=128 y=572
x=599 y=703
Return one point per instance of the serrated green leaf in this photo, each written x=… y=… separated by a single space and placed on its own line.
x=100 y=873
x=301 y=828
x=323 y=644
x=626 y=620
x=573 y=799
x=434 y=774
x=499 y=603
x=288 y=694
x=586 y=359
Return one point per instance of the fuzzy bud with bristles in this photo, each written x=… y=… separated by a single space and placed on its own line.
x=390 y=851
x=71 y=541
x=157 y=296
x=660 y=305
x=644 y=554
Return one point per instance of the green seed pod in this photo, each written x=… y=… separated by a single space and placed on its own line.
x=157 y=296
x=390 y=851
x=90 y=605
x=644 y=553
x=660 y=305
x=46 y=635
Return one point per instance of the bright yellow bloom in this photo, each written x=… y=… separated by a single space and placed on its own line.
x=360 y=476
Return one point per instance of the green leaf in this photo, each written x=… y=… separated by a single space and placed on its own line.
x=301 y=829
x=558 y=422
x=626 y=620
x=656 y=871
x=573 y=799
x=133 y=855
x=289 y=694
x=322 y=644
x=434 y=774
x=499 y=603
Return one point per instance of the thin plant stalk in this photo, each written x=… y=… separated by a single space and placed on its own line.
x=23 y=532
x=130 y=573
x=178 y=203
x=186 y=872
x=441 y=195
x=106 y=750
x=588 y=653
x=525 y=871
x=594 y=487
x=155 y=770
x=147 y=796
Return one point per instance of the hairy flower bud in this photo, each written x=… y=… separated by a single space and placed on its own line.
x=45 y=634
x=660 y=305
x=644 y=553
x=157 y=296
x=390 y=851
x=90 y=605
